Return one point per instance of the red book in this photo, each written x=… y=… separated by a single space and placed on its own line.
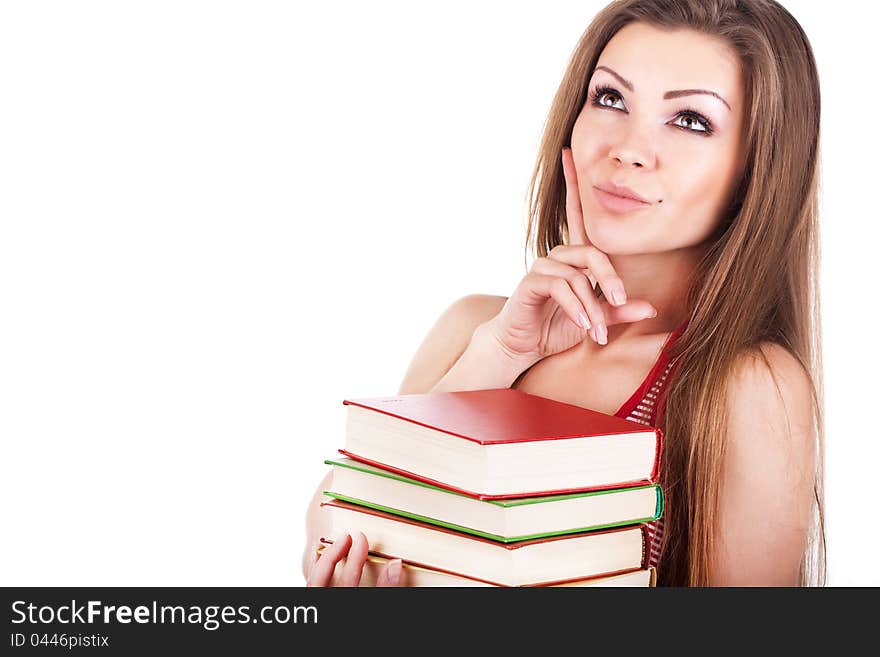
x=501 y=443
x=534 y=562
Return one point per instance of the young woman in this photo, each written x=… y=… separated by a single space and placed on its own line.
x=674 y=215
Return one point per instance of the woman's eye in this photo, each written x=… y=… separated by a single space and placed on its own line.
x=603 y=96
x=694 y=123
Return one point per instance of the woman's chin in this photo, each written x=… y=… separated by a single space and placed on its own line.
x=612 y=238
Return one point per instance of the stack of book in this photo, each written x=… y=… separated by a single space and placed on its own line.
x=497 y=488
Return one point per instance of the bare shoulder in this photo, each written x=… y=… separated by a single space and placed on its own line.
x=770 y=405
x=447 y=340
x=478 y=308
x=769 y=375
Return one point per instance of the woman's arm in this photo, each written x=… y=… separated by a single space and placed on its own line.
x=768 y=473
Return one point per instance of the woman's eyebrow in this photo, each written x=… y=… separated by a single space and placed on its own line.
x=669 y=94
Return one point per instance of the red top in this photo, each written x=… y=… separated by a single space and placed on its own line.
x=657 y=372
x=642 y=407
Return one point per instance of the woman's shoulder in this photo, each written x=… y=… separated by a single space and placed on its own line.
x=770 y=375
x=464 y=314
x=769 y=365
x=448 y=338
x=770 y=394
x=481 y=307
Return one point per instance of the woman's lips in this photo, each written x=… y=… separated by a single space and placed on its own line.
x=619 y=204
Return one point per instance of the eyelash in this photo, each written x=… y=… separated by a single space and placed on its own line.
x=702 y=120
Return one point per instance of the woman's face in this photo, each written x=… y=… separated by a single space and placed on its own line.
x=644 y=127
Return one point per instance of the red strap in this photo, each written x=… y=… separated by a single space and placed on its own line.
x=661 y=362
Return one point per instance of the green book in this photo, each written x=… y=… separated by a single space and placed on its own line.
x=506 y=520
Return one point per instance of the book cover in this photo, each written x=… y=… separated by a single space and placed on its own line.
x=500 y=415
x=503 y=503
x=505 y=416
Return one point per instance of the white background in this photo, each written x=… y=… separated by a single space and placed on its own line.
x=220 y=219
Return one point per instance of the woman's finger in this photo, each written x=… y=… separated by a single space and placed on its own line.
x=599 y=266
x=634 y=310
x=322 y=571
x=354 y=562
x=599 y=311
x=577 y=234
x=546 y=286
x=392 y=574
x=577 y=280
x=595 y=312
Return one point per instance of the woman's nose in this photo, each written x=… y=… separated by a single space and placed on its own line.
x=633 y=151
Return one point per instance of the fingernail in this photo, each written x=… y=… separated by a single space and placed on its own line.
x=619 y=295
x=653 y=313
x=602 y=333
x=584 y=321
x=394 y=567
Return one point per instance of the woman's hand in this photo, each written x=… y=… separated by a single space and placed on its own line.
x=554 y=305
x=354 y=551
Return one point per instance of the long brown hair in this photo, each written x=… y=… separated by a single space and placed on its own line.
x=758 y=279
